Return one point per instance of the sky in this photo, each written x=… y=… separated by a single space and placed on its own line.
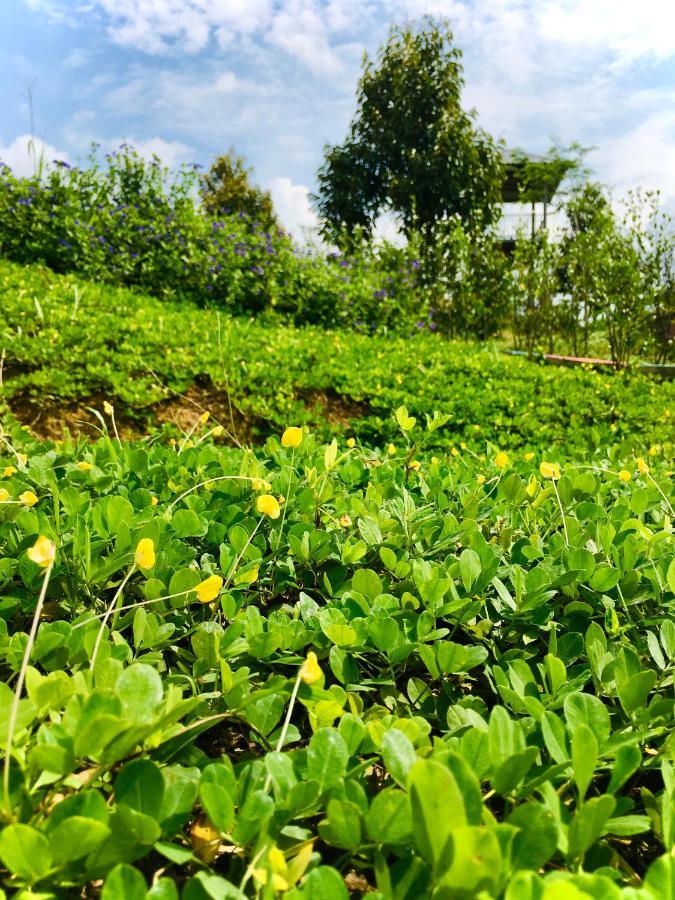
x=276 y=80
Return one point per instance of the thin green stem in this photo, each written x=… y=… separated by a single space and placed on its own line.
x=562 y=512
x=11 y=725
x=106 y=616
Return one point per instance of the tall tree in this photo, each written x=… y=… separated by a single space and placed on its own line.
x=227 y=188
x=412 y=149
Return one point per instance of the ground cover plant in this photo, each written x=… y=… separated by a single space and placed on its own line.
x=317 y=669
x=67 y=344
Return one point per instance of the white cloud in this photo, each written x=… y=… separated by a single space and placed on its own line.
x=644 y=156
x=24 y=153
x=171 y=153
x=291 y=202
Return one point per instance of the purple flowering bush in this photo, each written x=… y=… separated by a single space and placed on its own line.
x=133 y=222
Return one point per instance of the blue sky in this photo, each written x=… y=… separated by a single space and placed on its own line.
x=276 y=79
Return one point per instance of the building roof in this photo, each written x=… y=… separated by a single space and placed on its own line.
x=532 y=179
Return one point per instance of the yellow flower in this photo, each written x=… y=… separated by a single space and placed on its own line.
x=653 y=451
x=268 y=505
x=145 y=554
x=21 y=458
x=529 y=456
x=204 y=418
x=345 y=521
x=172 y=442
x=463 y=445
x=154 y=501
x=84 y=466
x=481 y=479
x=108 y=408
x=624 y=475
x=259 y=484
x=205 y=840
x=399 y=379
x=310 y=671
x=9 y=471
x=209 y=588
x=434 y=460
x=550 y=470
x=292 y=437
x=455 y=451
x=501 y=460
x=217 y=431
x=4 y=495
x=415 y=465
x=643 y=468
x=42 y=552
x=281 y=499
x=391 y=450
x=277 y=861
x=351 y=443
x=28 y=498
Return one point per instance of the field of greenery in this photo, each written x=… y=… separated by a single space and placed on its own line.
x=320 y=670
x=367 y=616
x=69 y=344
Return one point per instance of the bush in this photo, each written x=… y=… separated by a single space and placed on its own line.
x=135 y=223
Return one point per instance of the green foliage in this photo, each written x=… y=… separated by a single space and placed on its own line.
x=433 y=676
x=70 y=343
x=412 y=149
x=466 y=274
x=135 y=223
x=226 y=189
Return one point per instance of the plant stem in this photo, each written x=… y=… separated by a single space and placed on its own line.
x=11 y=725
x=562 y=512
x=99 y=636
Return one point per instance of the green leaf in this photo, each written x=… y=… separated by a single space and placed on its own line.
x=75 y=837
x=472 y=861
x=215 y=795
x=584 y=757
x=140 y=689
x=437 y=807
x=162 y=889
x=140 y=786
x=537 y=838
x=327 y=757
x=398 y=754
x=469 y=568
x=505 y=737
x=25 y=852
x=627 y=761
x=588 y=824
x=124 y=883
x=367 y=582
x=585 y=709
x=405 y=422
x=343 y=827
x=324 y=883
x=634 y=691
x=604 y=578
x=660 y=877
x=390 y=818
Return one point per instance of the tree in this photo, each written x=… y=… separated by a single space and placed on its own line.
x=606 y=282
x=411 y=149
x=226 y=189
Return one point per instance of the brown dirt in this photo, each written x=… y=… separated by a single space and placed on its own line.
x=334 y=408
x=55 y=420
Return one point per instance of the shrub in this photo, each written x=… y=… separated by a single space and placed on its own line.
x=135 y=223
